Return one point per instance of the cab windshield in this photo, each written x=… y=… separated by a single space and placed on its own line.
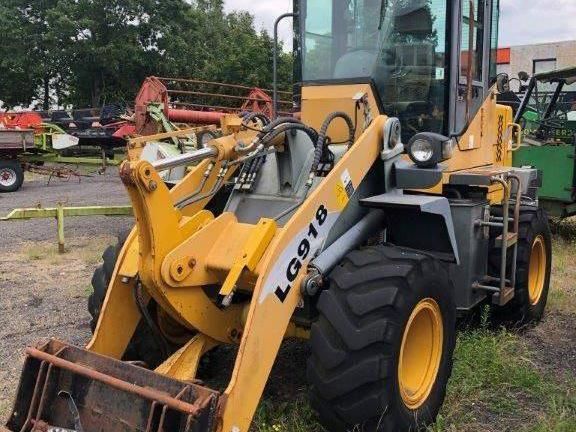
x=398 y=44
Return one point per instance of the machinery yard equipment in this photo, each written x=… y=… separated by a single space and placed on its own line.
x=195 y=102
x=175 y=116
x=12 y=144
x=94 y=128
x=21 y=150
x=548 y=114
x=363 y=228
x=47 y=143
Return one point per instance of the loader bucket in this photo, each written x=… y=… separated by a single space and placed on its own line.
x=67 y=388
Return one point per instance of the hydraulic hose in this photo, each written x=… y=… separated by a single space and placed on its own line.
x=280 y=129
x=256 y=116
x=323 y=132
x=274 y=124
x=180 y=204
x=244 y=172
x=255 y=168
x=275 y=128
x=259 y=162
x=156 y=333
x=213 y=191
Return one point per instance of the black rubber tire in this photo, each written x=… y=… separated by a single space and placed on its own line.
x=16 y=169
x=520 y=311
x=142 y=347
x=356 y=341
x=101 y=278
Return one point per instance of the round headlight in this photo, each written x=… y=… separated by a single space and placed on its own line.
x=422 y=151
x=428 y=149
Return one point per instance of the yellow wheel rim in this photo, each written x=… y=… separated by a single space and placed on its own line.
x=537 y=272
x=420 y=353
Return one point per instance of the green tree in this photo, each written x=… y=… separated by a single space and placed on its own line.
x=92 y=52
x=19 y=77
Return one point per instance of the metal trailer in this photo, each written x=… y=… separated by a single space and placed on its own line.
x=12 y=144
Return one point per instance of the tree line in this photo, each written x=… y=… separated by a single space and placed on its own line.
x=87 y=53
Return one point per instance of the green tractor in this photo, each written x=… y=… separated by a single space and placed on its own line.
x=547 y=115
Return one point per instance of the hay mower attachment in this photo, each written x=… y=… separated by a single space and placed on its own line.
x=175 y=116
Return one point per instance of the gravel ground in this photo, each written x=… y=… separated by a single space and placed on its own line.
x=43 y=294
x=104 y=189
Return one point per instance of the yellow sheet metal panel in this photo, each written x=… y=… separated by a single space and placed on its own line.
x=319 y=101
x=183 y=364
x=260 y=238
x=476 y=146
x=251 y=254
x=227 y=246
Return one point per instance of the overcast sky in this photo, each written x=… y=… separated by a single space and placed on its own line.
x=522 y=21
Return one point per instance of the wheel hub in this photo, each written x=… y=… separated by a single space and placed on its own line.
x=7 y=177
x=537 y=272
x=420 y=353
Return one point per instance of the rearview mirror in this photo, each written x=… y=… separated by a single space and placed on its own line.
x=503 y=83
x=523 y=76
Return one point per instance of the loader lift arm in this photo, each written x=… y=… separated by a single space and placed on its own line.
x=167 y=239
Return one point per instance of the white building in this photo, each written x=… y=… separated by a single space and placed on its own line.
x=536 y=58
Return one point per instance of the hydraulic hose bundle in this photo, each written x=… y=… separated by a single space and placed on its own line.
x=255 y=153
x=321 y=140
x=255 y=159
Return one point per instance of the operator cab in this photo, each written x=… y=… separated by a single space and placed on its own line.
x=430 y=62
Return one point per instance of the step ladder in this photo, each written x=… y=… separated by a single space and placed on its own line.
x=503 y=286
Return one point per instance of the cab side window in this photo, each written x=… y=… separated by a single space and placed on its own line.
x=473 y=60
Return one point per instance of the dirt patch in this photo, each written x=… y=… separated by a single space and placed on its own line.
x=288 y=374
x=553 y=344
x=43 y=294
x=42 y=298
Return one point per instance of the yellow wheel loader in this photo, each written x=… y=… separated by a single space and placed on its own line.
x=365 y=228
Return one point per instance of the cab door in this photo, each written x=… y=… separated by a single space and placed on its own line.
x=471 y=61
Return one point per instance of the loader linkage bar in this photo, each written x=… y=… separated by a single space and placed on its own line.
x=109 y=395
